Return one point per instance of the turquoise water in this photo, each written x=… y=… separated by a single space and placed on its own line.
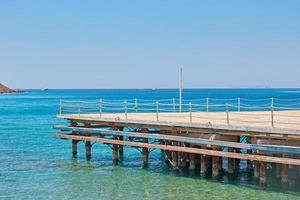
x=33 y=165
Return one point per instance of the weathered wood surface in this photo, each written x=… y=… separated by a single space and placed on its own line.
x=260 y=158
x=196 y=141
x=286 y=122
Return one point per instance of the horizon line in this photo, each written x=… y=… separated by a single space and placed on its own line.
x=191 y=88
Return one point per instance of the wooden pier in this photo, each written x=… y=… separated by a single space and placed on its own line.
x=193 y=139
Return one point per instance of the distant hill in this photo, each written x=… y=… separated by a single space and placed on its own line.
x=5 y=89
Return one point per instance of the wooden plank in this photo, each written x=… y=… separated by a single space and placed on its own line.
x=260 y=158
x=136 y=122
x=196 y=141
x=191 y=130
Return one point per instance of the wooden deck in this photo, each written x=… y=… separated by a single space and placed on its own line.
x=283 y=120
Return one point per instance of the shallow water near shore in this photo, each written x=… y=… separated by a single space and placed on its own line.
x=34 y=165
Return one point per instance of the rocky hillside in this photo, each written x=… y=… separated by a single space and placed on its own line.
x=4 y=89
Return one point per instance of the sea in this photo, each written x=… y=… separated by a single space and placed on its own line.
x=34 y=165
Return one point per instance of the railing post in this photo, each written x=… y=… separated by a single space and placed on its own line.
x=227 y=113
x=174 y=105
x=135 y=105
x=239 y=104
x=190 y=108
x=272 y=112
x=60 y=106
x=207 y=104
x=100 y=107
x=126 y=109
x=157 y=110
x=78 y=107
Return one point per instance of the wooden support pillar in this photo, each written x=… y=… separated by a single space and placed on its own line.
x=88 y=149
x=115 y=152
x=230 y=163
x=167 y=153
x=182 y=159
x=162 y=142
x=298 y=172
x=87 y=125
x=145 y=151
x=175 y=156
x=121 y=148
x=278 y=171
x=209 y=163
x=249 y=162
x=215 y=166
x=237 y=161
x=203 y=164
x=284 y=173
x=145 y=155
x=256 y=169
x=262 y=173
x=221 y=165
x=74 y=124
x=192 y=165
x=74 y=148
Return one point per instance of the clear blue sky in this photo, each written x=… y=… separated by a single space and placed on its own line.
x=141 y=44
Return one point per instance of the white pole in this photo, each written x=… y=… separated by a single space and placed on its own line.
x=190 y=108
x=60 y=106
x=272 y=112
x=180 y=90
x=157 y=110
x=174 y=105
x=207 y=103
x=227 y=113
x=100 y=107
x=135 y=105
x=125 y=108
x=239 y=104
x=78 y=108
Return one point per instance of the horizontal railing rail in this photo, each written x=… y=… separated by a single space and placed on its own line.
x=232 y=109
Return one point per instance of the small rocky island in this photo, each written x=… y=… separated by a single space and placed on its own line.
x=5 y=89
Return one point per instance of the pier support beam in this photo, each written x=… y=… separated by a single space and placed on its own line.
x=145 y=151
x=256 y=169
x=262 y=173
x=215 y=166
x=192 y=165
x=182 y=159
x=203 y=165
x=231 y=163
x=74 y=124
x=145 y=155
x=74 y=148
x=298 y=171
x=249 y=162
x=121 y=148
x=284 y=173
x=167 y=153
x=115 y=152
x=175 y=157
x=88 y=149
x=278 y=171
